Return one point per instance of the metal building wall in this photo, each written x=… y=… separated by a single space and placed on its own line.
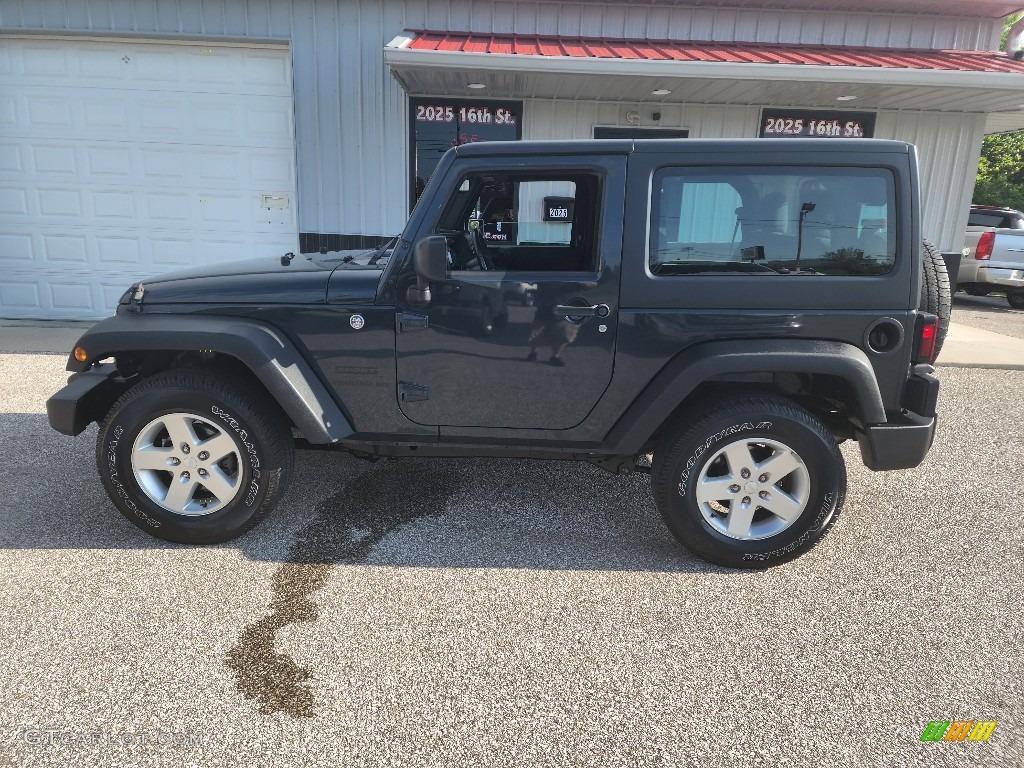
x=948 y=145
x=948 y=148
x=350 y=115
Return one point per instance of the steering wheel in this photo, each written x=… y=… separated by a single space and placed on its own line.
x=476 y=241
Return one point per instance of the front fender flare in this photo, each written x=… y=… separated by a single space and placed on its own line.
x=677 y=380
x=263 y=349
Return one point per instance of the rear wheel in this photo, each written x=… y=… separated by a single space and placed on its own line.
x=750 y=484
x=1016 y=299
x=194 y=457
x=936 y=297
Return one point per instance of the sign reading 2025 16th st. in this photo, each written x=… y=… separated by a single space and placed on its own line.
x=816 y=124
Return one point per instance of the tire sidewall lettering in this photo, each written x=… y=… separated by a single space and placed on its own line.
x=254 y=459
x=764 y=426
x=824 y=514
x=115 y=480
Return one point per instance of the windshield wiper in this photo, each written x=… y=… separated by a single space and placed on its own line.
x=380 y=251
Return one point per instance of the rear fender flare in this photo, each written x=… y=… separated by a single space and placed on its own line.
x=677 y=380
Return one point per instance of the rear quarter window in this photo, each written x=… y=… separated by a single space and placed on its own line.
x=779 y=220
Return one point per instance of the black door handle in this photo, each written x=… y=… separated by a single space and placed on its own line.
x=570 y=310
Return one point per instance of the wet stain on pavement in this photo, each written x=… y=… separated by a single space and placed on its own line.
x=345 y=529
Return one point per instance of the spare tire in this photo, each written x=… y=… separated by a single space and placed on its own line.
x=936 y=297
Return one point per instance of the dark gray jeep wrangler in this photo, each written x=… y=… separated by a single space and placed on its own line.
x=733 y=309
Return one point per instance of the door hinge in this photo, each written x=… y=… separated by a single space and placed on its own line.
x=408 y=321
x=409 y=392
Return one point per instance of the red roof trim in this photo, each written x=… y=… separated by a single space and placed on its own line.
x=733 y=53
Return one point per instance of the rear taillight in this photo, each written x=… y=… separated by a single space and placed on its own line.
x=927 y=335
x=985 y=243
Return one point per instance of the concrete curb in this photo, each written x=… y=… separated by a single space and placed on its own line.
x=967 y=347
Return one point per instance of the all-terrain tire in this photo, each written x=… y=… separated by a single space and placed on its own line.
x=173 y=432
x=756 y=454
x=936 y=297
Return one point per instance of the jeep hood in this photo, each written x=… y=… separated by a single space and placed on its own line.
x=274 y=280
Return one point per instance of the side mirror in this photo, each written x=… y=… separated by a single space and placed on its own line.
x=430 y=263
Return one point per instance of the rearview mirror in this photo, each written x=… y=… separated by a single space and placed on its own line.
x=430 y=263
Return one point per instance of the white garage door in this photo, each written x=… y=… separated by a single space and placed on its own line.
x=123 y=160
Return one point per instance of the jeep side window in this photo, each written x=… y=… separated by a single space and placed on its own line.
x=785 y=220
x=524 y=223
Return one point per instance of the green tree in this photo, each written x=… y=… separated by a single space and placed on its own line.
x=1001 y=168
x=1008 y=22
x=1001 y=171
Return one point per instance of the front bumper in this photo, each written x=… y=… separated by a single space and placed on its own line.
x=86 y=398
x=905 y=439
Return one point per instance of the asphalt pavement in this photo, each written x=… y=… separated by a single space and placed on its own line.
x=500 y=613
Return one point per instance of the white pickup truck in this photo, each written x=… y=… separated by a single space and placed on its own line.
x=994 y=254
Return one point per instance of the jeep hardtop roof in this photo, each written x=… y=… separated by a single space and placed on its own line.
x=628 y=146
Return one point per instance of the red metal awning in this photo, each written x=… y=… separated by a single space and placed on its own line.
x=706 y=52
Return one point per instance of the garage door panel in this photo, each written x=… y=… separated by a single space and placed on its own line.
x=16 y=249
x=140 y=211
x=8 y=112
x=265 y=70
x=65 y=249
x=20 y=298
x=182 y=167
x=103 y=65
x=137 y=65
x=103 y=118
x=11 y=159
x=54 y=160
x=177 y=118
x=108 y=163
x=46 y=113
x=47 y=62
x=91 y=249
x=121 y=161
x=13 y=202
x=60 y=203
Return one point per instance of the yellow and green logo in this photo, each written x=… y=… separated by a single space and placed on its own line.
x=958 y=730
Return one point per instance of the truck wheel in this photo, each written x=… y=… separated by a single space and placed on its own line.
x=749 y=484
x=194 y=457
x=1016 y=299
x=936 y=297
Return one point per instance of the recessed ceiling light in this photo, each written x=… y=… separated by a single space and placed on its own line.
x=661 y=92
x=845 y=98
x=476 y=86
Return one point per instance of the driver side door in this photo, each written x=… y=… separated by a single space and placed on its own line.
x=521 y=334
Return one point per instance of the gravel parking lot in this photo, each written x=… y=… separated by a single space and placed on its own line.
x=990 y=313
x=500 y=613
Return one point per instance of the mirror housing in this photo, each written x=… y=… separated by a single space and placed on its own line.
x=430 y=263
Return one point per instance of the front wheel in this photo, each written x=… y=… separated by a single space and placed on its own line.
x=194 y=457
x=751 y=483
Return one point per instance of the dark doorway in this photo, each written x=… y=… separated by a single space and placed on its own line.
x=641 y=133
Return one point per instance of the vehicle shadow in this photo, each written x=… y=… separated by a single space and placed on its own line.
x=443 y=513
x=996 y=305
x=342 y=512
